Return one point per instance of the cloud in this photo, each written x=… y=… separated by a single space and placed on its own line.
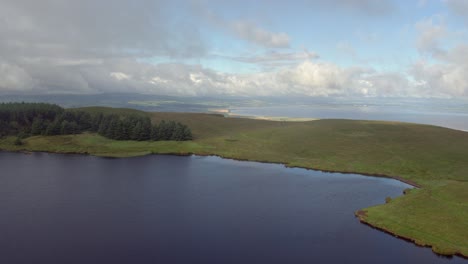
x=373 y=8
x=444 y=75
x=86 y=46
x=70 y=46
x=89 y=29
x=274 y=56
x=431 y=32
x=248 y=31
x=272 y=59
x=307 y=78
x=14 y=78
x=369 y=8
x=441 y=80
x=243 y=29
x=459 y=7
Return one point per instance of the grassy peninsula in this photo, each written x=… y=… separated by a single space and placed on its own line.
x=434 y=158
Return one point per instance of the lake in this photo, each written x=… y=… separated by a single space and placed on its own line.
x=170 y=209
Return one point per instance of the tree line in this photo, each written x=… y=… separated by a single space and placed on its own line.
x=29 y=119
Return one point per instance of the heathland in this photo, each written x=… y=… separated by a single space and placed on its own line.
x=433 y=158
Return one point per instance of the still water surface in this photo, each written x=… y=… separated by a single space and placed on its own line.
x=168 y=209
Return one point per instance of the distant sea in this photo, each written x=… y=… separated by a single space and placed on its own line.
x=445 y=113
x=451 y=113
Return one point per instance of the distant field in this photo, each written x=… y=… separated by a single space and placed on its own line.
x=433 y=157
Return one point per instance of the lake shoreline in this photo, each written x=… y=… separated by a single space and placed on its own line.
x=360 y=214
x=378 y=149
x=183 y=154
x=283 y=211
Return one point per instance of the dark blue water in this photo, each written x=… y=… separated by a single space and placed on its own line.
x=168 y=209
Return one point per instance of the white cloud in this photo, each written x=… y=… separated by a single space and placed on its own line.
x=120 y=76
x=441 y=79
x=244 y=29
x=445 y=74
x=157 y=80
x=275 y=56
x=307 y=78
x=14 y=78
x=272 y=60
x=70 y=46
x=247 y=30
x=367 y=7
x=431 y=32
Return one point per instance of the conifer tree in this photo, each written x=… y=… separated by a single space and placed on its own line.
x=155 y=133
x=37 y=126
x=48 y=119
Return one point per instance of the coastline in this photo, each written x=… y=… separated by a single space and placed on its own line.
x=230 y=112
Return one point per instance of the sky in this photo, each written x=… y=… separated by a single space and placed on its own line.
x=334 y=48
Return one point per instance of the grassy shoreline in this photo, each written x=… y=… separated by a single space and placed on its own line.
x=362 y=216
x=432 y=158
x=398 y=178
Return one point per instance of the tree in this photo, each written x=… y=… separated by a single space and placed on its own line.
x=18 y=142
x=187 y=133
x=155 y=135
x=178 y=133
x=53 y=129
x=145 y=133
x=68 y=128
x=84 y=121
x=65 y=128
x=112 y=130
x=103 y=126
x=136 y=132
x=96 y=121
x=4 y=128
x=37 y=126
x=28 y=119
x=74 y=127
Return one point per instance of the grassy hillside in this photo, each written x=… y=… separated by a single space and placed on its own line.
x=433 y=157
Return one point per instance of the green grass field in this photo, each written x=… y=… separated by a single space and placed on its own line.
x=433 y=157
